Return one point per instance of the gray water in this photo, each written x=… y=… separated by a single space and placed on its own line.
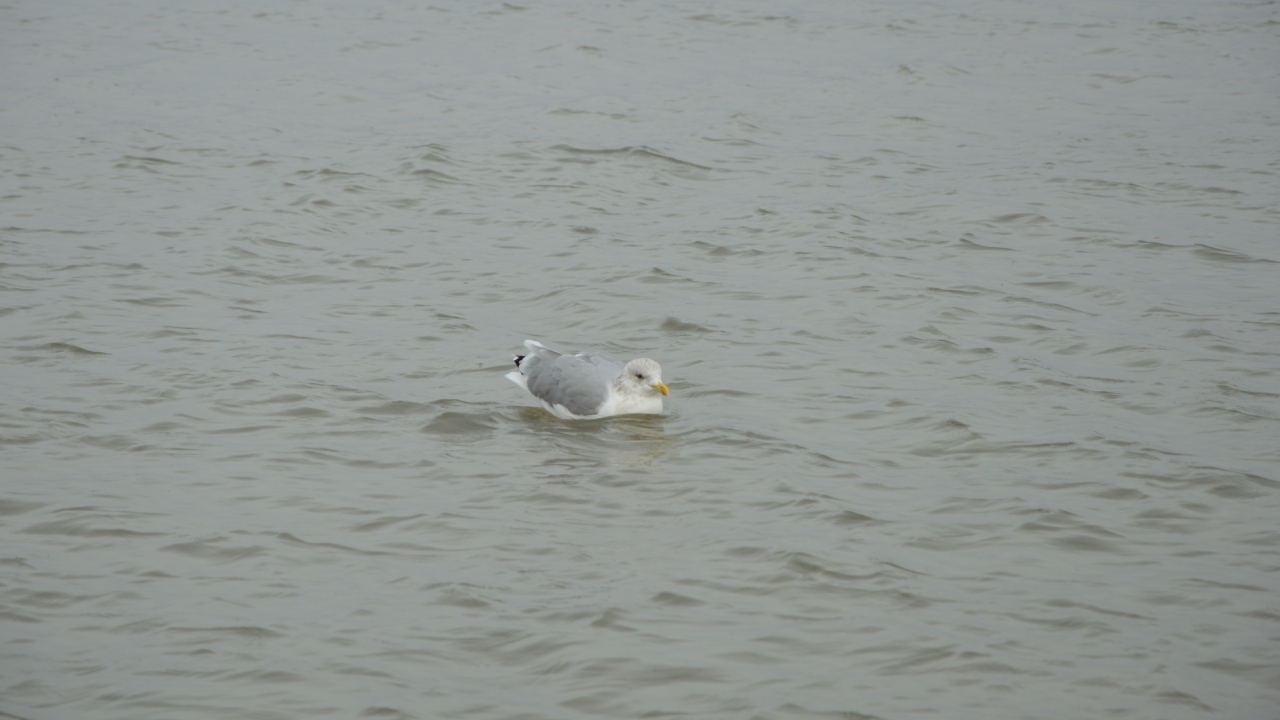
x=970 y=313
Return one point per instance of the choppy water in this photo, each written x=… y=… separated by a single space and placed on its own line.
x=970 y=313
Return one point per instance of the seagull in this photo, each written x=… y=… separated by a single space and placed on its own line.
x=587 y=386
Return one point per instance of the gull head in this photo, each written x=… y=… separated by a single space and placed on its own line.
x=642 y=376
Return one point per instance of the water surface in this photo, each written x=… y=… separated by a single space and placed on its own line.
x=969 y=313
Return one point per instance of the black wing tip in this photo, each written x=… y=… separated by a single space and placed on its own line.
x=518 y=359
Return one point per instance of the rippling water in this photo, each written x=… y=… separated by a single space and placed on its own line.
x=970 y=314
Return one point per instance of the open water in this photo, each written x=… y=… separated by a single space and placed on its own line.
x=970 y=312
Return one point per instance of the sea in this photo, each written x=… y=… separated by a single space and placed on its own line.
x=970 y=314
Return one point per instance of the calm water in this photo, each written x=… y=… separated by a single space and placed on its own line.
x=970 y=313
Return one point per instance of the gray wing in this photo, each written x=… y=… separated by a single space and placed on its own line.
x=578 y=382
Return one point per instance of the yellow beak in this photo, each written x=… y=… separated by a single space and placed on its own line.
x=660 y=388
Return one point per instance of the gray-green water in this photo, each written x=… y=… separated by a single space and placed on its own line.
x=970 y=314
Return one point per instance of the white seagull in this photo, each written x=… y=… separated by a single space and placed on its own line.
x=588 y=385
